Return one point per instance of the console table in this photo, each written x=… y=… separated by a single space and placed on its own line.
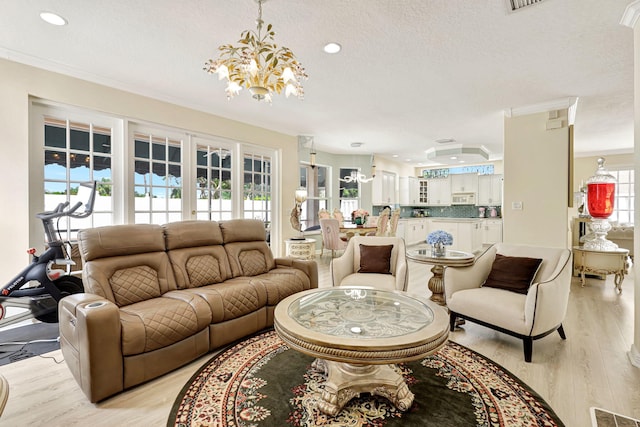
x=588 y=261
x=302 y=249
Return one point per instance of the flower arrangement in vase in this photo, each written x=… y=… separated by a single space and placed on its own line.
x=359 y=216
x=438 y=240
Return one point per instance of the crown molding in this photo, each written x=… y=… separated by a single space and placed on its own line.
x=631 y=14
x=557 y=104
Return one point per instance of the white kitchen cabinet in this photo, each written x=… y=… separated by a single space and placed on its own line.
x=409 y=191
x=439 y=192
x=401 y=229
x=464 y=183
x=489 y=190
x=491 y=231
x=415 y=230
x=384 y=189
x=423 y=191
x=466 y=233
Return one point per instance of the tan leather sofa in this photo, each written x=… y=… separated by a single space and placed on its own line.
x=159 y=297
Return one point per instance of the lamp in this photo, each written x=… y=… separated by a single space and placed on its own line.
x=258 y=64
x=300 y=197
x=312 y=154
x=601 y=189
x=360 y=177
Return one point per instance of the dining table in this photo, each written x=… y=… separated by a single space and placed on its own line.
x=352 y=230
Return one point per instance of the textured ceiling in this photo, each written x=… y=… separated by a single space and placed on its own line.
x=410 y=71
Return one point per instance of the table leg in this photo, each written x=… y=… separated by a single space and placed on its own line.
x=619 y=277
x=436 y=285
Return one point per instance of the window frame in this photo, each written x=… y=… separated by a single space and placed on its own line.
x=123 y=166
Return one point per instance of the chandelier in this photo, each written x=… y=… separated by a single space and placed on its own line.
x=259 y=65
x=355 y=176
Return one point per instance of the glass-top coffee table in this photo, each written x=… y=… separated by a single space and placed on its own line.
x=356 y=334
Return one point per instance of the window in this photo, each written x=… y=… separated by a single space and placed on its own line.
x=213 y=183
x=77 y=151
x=349 y=192
x=146 y=173
x=623 y=206
x=257 y=187
x=157 y=179
x=315 y=180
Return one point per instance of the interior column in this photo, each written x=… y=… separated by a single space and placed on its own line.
x=630 y=19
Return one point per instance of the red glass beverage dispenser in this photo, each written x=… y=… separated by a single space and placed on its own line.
x=601 y=191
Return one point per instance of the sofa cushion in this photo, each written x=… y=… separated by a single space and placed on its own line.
x=117 y=240
x=243 y=230
x=189 y=234
x=249 y=258
x=498 y=307
x=200 y=266
x=233 y=298
x=159 y=322
x=513 y=273
x=282 y=282
x=375 y=259
x=135 y=284
x=129 y=279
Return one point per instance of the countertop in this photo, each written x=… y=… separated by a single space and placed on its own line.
x=451 y=219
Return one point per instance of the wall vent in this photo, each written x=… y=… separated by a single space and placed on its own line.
x=520 y=4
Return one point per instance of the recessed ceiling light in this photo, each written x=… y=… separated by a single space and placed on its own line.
x=332 y=47
x=357 y=144
x=395 y=155
x=53 y=18
x=453 y=158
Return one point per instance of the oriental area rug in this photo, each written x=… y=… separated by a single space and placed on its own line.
x=261 y=382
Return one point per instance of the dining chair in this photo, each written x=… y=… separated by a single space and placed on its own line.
x=393 y=222
x=337 y=214
x=330 y=229
x=383 y=220
x=324 y=214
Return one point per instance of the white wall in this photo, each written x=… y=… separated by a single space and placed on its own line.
x=19 y=82
x=536 y=174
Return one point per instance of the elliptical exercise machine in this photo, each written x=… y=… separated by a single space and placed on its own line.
x=36 y=291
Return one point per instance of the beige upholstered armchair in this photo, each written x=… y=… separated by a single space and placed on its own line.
x=505 y=290
x=379 y=262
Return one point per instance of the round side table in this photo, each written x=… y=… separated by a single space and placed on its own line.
x=452 y=258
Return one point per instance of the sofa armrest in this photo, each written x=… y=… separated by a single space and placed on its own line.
x=342 y=266
x=402 y=274
x=90 y=341
x=310 y=268
x=546 y=303
x=461 y=278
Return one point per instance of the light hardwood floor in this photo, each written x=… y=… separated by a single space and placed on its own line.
x=590 y=368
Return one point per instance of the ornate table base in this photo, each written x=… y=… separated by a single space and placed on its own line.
x=436 y=285
x=346 y=381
